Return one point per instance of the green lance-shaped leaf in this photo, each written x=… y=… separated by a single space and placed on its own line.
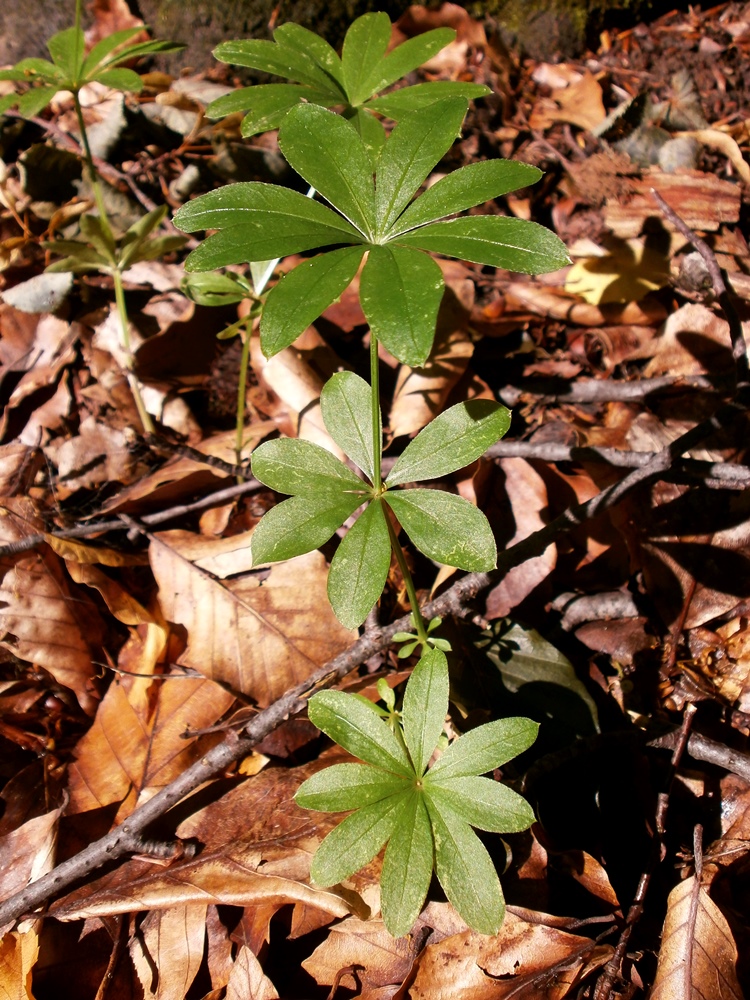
x=485 y=748
x=97 y=57
x=453 y=440
x=466 y=187
x=513 y=244
x=347 y=786
x=259 y=222
x=359 y=730
x=279 y=59
x=28 y=70
x=299 y=298
x=446 y=528
x=360 y=567
x=400 y=292
x=30 y=103
x=465 y=869
x=422 y=95
x=294 y=36
x=326 y=150
x=482 y=802
x=120 y=79
x=416 y=144
x=291 y=465
x=266 y=104
x=407 y=867
x=406 y=57
x=425 y=707
x=299 y=525
x=357 y=840
x=364 y=47
x=67 y=50
x=211 y=288
x=346 y=406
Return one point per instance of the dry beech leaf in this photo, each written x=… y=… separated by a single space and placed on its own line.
x=28 y=853
x=698 y=956
x=261 y=638
x=134 y=747
x=171 y=942
x=44 y=620
x=247 y=980
x=383 y=959
x=471 y=966
x=18 y=955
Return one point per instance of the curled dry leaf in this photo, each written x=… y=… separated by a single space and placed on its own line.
x=383 y=959
x=28 y=853
x=247 y=980
x=44 y=619
x=527 y=498
x=698 y=955
x=471 y=966
x=171 y=942
x=261 y=638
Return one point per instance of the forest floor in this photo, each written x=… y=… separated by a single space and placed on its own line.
x=136 y=636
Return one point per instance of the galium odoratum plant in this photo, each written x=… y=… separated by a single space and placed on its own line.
x=401 y=285
x=352 y=82
x=71 y=69
x=425 y=814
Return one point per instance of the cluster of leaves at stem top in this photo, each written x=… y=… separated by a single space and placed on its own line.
x=425 y=815
x=71 y=68
x=401 y=285
x=325 y=492
x=351 y=82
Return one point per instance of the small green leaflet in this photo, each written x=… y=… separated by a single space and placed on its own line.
x=370 y=219
x=426 y=818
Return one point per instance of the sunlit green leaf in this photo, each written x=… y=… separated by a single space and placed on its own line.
x=28 y=70
x=279 y=59
x=346 y=406
x=291 y=465
x=425 y=707
x=347 y=786
x=406 y=57
x=422 y=95
x=299 y=298
x=369 y=129
x=67 y=50
x=356 y=840
x=485 y=748
x=482 y=802
x=360 y=567
x=446 y=528
x=400 y=291
x=465 y=869
x=416 y=144
x=299 y=525
x=294 y=36
x=453 y=440
x=407 y=867
x=464 y=188
x=358 y=730
x=513 y=244
x=107 y=47
x=326 y=150
x=364 y=46
x=31 y=103
x=266 y=104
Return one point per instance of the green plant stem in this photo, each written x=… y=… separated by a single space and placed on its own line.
x=241 y=397
x=135 y=387
x=92 y=171
x=377 y=448
x=377 y=435
x=411 y=592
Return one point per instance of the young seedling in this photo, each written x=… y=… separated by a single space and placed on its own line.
x=425 y=815
x=71 y=69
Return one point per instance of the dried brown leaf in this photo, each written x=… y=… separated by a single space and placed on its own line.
x=382 y=959
x=18 y=955
x=44 y=619
x=134 y=747
x=259 y=637
x=248 y=981
x=169 y=951
x=698 y=955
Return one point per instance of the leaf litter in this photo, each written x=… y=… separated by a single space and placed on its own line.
x=123 y=656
